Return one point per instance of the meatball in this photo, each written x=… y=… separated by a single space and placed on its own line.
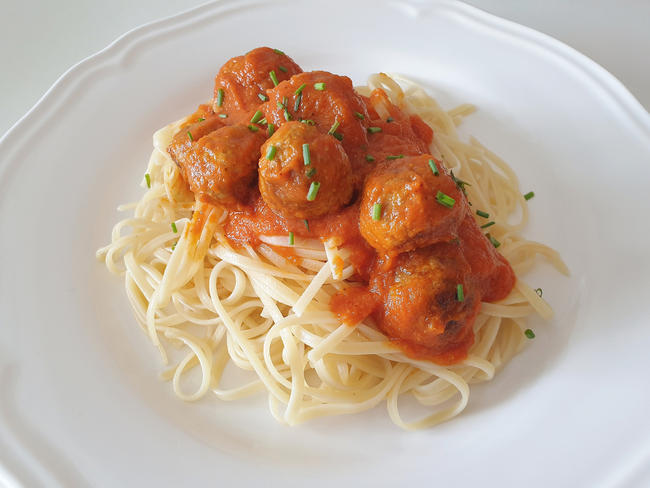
x=222 y=164
x=327 y=101
x=244 y=78
x=405 y=205
x=422 y=306
x=298 y=187
x=188 y=133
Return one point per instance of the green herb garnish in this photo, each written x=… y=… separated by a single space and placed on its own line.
x=494 y=242
x=274 y=78
x=306 y=156
x=376 y=211
x=460 y=294
x=434 y=168
x=257 y=117
x=313 y=191
x=445 y=200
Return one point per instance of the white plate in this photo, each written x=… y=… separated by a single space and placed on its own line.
x=80 y=398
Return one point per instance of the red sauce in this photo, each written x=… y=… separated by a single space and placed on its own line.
x=354 y=304
x=408 y=285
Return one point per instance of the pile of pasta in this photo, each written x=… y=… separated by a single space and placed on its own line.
x=206 y=304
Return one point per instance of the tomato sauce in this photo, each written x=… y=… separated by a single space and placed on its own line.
x=422 y=265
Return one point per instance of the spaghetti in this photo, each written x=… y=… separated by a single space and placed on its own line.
x=264 y=310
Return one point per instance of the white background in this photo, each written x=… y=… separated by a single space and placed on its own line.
x=41 y=39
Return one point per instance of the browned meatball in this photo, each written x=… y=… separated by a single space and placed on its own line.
x=222 y=164
x=404 y=205
x=244 y=78
x=326 y=100
x=188 y=134
x=295 y=189
x=421 y=305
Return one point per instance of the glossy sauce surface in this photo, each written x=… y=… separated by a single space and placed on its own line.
x=422 y=264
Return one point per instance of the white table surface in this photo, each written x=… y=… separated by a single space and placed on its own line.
x=41 y=39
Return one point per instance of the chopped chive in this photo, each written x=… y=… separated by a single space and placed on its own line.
x=539 y=292
x=313 y=191
x=306 y=157
x=434 y=168
x=483 y=214
x=376 y=211
x=374 y=130
x=147 y=178
x=280 y=105
x=335 y=126
x=359 y=115
x=174 y=245
x=297 y=104
x=445 y=200
x=253 y=128
x=399 y=156
x=308 y=121
x=263 y=121
x=262 y=97
x=270 y=152
x=306 y=224
x=529 y=333
x=338 y=136
x=489 y=224
x=220 y=94
x=369 y=158
x=311 y=172
x=460 y=183
x=291 y=239
x=189 y=134
x=283 y=69
x=319 y=86
x=223 y=116
x=285 y=102
x=174 y=228
x=300 y=89
x=200 y=119
x=277 y=51
x=494 y=242
x=460 y=294
x=287 y=115
x=271 y=129
x=274 y=78
x=528 y=196
x=257 y=117
x=389 y=119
